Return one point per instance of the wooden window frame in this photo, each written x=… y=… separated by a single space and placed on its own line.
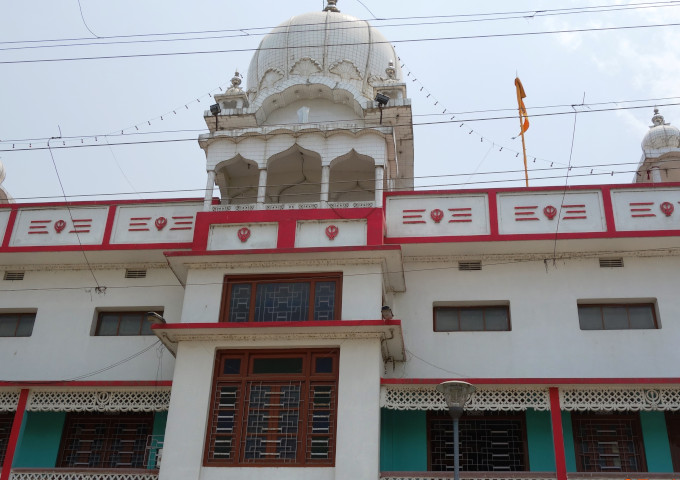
x=471 y=307
x=577 y=417
x=19 y=316
x=519 y=416
x=255 y=280
x=110 y=419
x=142 y=322
x=245 y=378
x=601 y=306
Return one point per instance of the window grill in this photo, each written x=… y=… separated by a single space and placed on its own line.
x=487 y=443
x=6 y=420
x=470 y=266
x=135 y=273
x=608 y=443
x=611 y=262
x=14 y=276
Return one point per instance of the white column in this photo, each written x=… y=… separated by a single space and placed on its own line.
x=325 y=179
x=262 y=187
x=656 y=175
x=379 y=181
x=210 y=184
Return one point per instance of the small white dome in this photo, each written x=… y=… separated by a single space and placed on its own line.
x=323 y=44
x=661 y=135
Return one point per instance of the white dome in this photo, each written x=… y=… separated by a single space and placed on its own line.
x=323 y=44
x=661 y=136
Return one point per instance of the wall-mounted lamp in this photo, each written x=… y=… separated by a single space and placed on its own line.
x=382 y=100
x=215 y=110
x=155 y=318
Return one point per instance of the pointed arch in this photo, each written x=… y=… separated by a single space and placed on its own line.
x=352 y=178
x=294 y=176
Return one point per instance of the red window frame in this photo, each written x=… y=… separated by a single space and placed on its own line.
x=627 y=306
x=20 y=317
x=255 y=280
x=6 y=420
x=460 y=309
x=317 y=399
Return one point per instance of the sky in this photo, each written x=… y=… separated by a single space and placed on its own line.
x=461 y=57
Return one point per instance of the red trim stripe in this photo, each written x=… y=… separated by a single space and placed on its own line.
x=558 y=434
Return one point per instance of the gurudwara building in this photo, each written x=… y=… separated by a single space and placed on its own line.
x=297 y=326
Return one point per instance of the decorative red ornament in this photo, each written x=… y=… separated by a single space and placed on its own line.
x=437 y=215
x=161 y=222
x=550 y=212
x=244 y=234
x=667 y=208
x=332 y=231
x=59 y=225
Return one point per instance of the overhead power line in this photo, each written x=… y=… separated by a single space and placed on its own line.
x=439 y=122
x=350 y=44
x=442 y=19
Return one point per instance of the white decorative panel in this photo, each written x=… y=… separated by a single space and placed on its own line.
x=532 y=213
x=490 y=398
x=166 y=223
x=437 y=215
x=330 y=233
x=243 y=236
x=59 y=226
x=8 y=400
x=62 y=400
x=620 y=399
x=647 y=209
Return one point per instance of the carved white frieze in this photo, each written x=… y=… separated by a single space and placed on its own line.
x=119 y=400
x=610 y=399
x=8 y=400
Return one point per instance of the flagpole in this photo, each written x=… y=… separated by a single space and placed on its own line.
x=524 y=149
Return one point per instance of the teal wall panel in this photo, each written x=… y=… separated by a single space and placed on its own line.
x=569 y=449
x=159 y=421
x=403 y=440
x=38 y=446
x=539 y=441
x=655 y=437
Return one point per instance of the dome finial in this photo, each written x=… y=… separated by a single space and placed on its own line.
x=657 y=119
x=331 y=7
x=236 y=80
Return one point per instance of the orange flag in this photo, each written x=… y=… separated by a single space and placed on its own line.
x=523 y=116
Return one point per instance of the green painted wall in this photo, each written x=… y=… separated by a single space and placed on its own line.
x=159 y=421
x=38 y=445
x=655 y=437
x=539 y=440
x=569 y=449
x=403 y=441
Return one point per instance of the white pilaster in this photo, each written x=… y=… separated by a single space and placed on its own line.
x=325 y=179
x=379 y=181
x=262 y=188
x=210 y=184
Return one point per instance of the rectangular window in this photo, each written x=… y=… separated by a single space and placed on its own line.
x=629 y=316
x=97 y=440
x=490 y=442
x=6 y=420
x=608 y=443
x=112 y=324
x=16 y=324
x=472 y=319
x=273 y=408
x=282 y=298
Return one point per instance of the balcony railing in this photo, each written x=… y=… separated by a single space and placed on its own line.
x=82 y=474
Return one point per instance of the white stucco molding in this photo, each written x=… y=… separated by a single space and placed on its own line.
x=389 y=333
x=9 y=400
x=487 y=397
x=612 y=399
x=149 y=399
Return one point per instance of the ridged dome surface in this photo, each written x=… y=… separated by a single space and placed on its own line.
x=661 y=136
x=329 y=44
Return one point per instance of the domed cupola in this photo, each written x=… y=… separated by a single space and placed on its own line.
x=660 y=152
x=326 y=47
